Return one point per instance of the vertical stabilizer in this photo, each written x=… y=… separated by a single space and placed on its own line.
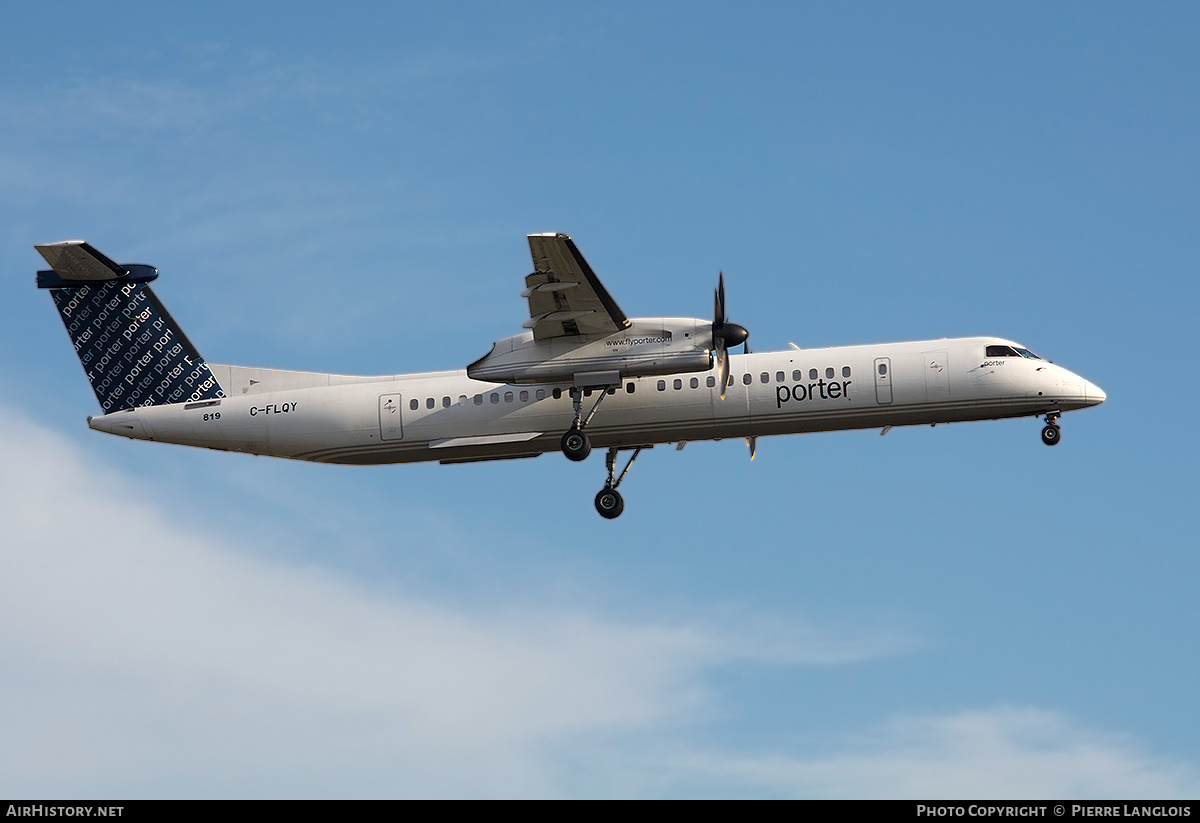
x=133 y=351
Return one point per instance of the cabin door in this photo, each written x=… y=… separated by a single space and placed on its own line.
x=883 y=380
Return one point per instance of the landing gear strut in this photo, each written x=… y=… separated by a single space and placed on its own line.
x=575 y=444
x=609 y=501
x=1051 y=433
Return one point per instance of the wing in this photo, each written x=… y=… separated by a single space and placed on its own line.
x=565 y=296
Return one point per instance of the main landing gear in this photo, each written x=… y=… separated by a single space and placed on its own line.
x=609 y=502
x=575 y=444
x=1051 y=433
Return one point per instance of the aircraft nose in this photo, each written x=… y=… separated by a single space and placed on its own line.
x=1094 y=394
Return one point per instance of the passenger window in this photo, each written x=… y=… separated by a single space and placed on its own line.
x=462 y=400
x=845 y=371
x=882 y=369
x=541 y=394
x=779 y=377
x=829 y=373
x=764 y=377
x=445 y=402
x=524 y=396
x=746 y=379
x=662 y=385
x=508 y=397
x=629 y=388
x=557 y=394
x=797 y=375
x=711 y=381
x=678 y=384
x=695 y=383
x=413 y=404
x=494 y=398
x=812 y=374
x=479 y=400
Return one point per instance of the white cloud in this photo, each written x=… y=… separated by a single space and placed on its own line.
x=145 y=656
x=144 y=652
x=1003 y=752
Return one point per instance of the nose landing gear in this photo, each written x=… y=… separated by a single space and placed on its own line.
x=1051 y=434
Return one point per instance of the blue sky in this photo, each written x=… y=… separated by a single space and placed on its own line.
x=951 y=612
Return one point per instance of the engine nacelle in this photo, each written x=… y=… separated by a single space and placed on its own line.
x=648 y=346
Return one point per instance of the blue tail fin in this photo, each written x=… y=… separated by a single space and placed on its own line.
x=133 y=352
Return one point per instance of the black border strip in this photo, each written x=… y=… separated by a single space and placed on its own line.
x=610 y=305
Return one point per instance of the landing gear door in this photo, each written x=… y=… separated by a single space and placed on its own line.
x=390 y=427
x=883 y=380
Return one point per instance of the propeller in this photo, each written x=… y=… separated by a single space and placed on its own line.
x=725 y=334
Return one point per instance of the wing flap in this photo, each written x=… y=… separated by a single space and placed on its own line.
x=565 y=296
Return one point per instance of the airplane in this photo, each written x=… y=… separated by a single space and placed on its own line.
x=660 y=380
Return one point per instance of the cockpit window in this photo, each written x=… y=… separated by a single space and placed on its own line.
x=1010 y=351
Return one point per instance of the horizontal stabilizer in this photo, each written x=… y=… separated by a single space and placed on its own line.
x=76 y=264
x=76 y=260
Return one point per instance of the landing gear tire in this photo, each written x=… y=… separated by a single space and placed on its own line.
x=609 y=503
x=575 y=445
x=1051 y=435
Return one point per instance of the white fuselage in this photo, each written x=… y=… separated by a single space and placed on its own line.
x=447 y=416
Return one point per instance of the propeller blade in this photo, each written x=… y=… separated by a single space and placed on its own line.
x=723 y=368
x=724 y=334
x=752 y=442
x=718 y=326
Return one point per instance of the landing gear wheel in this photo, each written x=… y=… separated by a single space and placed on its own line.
x=609 y=503
x=1051 y=435
x=575 y=445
